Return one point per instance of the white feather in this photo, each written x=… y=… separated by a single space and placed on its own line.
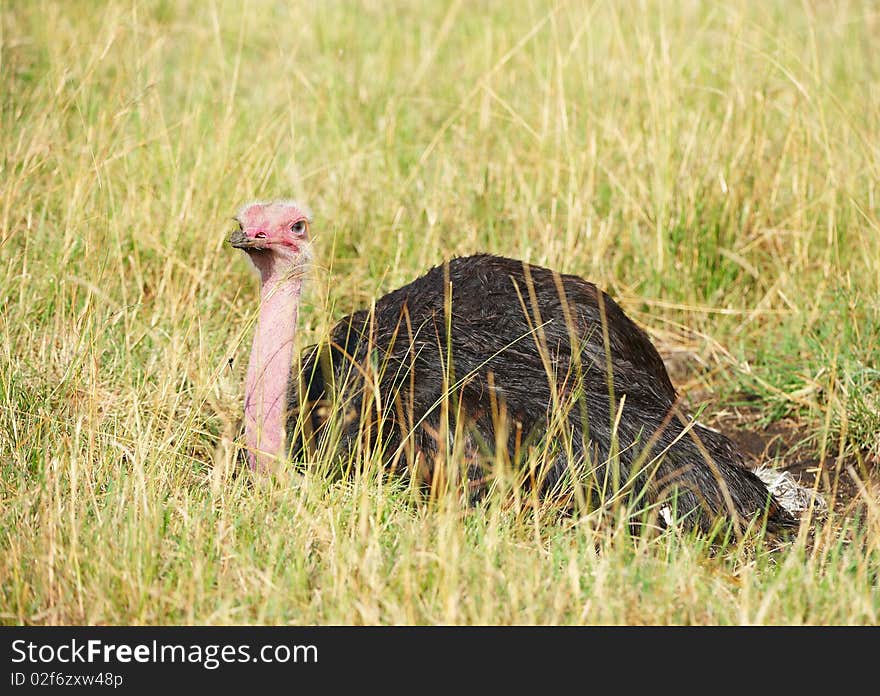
x=791 y=495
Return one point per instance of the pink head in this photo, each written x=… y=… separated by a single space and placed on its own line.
x=275 y=236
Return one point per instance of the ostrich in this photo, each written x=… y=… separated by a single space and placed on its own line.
x=497 y=355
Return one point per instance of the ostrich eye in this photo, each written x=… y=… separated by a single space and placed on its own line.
x=298 y=227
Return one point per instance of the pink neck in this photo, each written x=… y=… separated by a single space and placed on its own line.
x=268 y=372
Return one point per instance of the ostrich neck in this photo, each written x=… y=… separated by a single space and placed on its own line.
x=268 y=372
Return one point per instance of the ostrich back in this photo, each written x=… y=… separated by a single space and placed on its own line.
x=486 y=352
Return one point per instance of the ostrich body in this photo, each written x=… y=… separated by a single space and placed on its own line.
x=491 y=353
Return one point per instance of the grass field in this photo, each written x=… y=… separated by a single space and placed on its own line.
x=714 y=165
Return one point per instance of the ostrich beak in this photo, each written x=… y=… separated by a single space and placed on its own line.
x=240 y=240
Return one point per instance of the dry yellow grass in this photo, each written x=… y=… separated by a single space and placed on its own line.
x=714 y=165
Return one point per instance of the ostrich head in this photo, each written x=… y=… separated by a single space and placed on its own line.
x=275 y=236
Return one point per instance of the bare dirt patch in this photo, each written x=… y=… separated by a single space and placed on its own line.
x=787 y=445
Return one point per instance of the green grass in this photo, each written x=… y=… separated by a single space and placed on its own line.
x=713 y=165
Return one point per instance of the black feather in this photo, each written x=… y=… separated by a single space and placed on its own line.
x=495 y=335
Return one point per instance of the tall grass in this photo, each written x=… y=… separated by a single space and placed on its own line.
x=714 y=165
